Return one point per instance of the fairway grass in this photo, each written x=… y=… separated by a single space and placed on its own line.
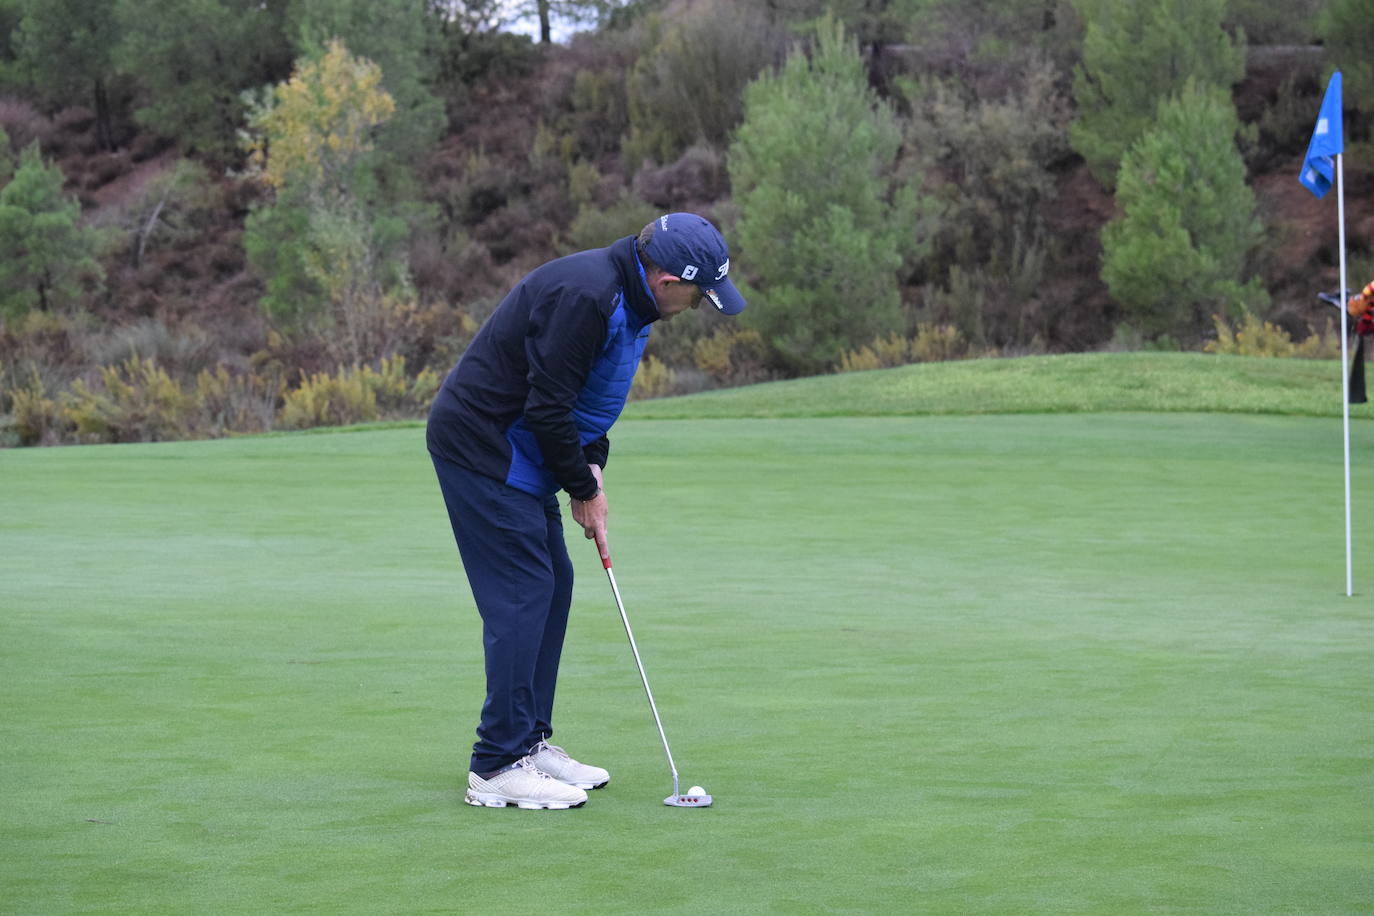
x=1068 y=663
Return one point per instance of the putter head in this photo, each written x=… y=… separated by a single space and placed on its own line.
x=688 y=801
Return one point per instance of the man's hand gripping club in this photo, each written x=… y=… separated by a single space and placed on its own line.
x=591 y=514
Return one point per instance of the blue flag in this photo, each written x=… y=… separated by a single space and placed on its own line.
x=1318 y=166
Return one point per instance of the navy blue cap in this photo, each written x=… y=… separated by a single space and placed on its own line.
x=688 y=246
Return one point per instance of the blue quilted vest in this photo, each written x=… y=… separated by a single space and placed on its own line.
x=598 y=404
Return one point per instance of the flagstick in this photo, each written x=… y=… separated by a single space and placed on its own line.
x=1345 y=368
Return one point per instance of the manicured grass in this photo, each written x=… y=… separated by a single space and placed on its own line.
x=1073 y=383
x=1073 y=663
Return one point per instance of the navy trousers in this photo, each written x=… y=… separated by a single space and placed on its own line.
x=517 y=564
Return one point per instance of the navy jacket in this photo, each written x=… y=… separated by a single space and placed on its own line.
x=535 y=392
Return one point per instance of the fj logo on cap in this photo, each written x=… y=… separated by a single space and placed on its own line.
x=690 y=272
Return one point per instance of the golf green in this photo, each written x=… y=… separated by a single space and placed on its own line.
x=1056 y=663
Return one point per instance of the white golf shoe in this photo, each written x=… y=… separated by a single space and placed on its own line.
x=525 y=786
x=555 y=761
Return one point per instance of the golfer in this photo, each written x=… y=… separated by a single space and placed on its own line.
x=522 y=416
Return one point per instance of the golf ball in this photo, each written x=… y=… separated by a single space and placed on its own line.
x=696 y=790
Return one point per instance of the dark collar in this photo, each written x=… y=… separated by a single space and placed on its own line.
x=636 y=284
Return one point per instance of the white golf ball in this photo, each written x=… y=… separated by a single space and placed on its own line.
x=696 y=790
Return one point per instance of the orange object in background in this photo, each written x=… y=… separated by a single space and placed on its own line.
x=1360 y=304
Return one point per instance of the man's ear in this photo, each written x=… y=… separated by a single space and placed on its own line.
x=661 y=280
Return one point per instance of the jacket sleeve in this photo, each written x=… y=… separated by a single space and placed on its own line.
x=565 y=336
x=597 y=452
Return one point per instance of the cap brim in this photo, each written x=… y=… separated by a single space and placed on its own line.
x=724 y=297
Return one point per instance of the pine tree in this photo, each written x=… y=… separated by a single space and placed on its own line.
x=193 y=59
x=6 y=158
x=1346 y=28
x=1137 y=54
x=49 y=258
x=1178 y=253
x=64 y=47
x=822 y=230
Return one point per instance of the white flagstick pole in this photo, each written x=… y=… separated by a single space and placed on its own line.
x=1345 y=369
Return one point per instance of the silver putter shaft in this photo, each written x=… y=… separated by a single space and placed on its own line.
x=677 y=799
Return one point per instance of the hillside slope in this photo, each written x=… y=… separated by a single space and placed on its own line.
x=1070 y=383
x=203 y=277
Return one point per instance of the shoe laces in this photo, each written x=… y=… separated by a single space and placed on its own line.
x=527 y=763
x=554 y=749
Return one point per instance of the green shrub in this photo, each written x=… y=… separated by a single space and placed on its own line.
x=1269 y=23
x=35 y=418
x=398 y=394
x=329 y=400
x=931 y=343
x=1257 y=337
x=983 y=46
x=654 y=379
x=584 y=181
x=136 y=401
x=471 y=53
x=880 y=353
x=583 y=92
x=732 y=356
x=181 y=351
x=1254 y=337
x=935 y=343
x=860 y=360
x=234 y=402
x=1321 y=343
x=998 y=161
x=689 y=86
x=1285 y=125
x=698 y=175
x=963 y=302
x=596 y=227
x=358 y=395
x=47 y=343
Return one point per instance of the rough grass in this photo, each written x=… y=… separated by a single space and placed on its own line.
x=1076 y=383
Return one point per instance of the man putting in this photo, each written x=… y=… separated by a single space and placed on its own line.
x=523 y=415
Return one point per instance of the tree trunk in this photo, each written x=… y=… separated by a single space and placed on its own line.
x=104 y=132
x=545 y=33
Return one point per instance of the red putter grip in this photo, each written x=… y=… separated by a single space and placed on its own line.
x=606 y=562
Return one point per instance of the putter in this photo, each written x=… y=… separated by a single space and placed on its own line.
x=677 y=799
